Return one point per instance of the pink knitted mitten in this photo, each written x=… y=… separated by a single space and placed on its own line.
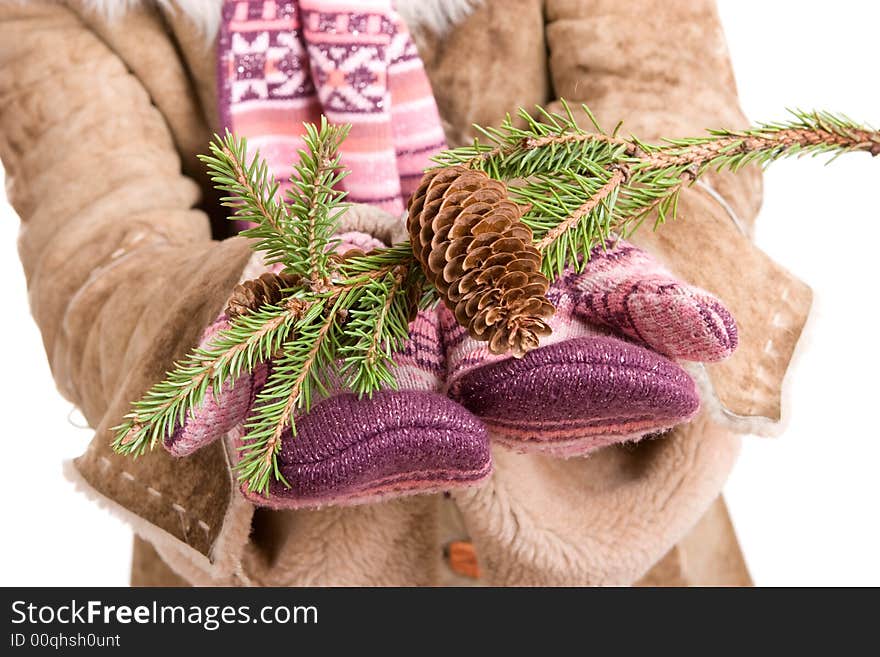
x=349 y=450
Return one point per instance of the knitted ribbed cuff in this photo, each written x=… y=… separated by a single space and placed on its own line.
x=350 y=451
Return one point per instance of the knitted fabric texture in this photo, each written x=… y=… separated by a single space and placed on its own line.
x=627 y=290
x=353 y=451
x=285 y=62
x=584 y=389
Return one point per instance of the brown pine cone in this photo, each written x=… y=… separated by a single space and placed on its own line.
x=474 y=247
x=252 y=294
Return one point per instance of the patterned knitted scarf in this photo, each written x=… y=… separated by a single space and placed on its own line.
x=286 y=62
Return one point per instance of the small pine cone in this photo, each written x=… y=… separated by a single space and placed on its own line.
x=474 y=247
x=252 y=294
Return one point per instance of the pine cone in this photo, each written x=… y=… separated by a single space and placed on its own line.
x=474 y=247
x=252 y=294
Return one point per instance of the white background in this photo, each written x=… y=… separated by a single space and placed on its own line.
x=805 y=505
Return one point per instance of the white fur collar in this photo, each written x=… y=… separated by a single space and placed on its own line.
x=435 y=16
x=429 y=15
x=204 y=13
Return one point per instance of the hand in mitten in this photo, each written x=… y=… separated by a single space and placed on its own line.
x=606 y=374
x=349 y=450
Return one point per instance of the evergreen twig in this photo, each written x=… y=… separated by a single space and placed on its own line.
x=304 y=359
x=249 y=340
x=555 y=168
x=315 y=204
x=342 y=328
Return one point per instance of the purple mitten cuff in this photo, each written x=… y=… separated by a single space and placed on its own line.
x=586 y=387
x=350 y=451
x=576 y=396
x=222 y=412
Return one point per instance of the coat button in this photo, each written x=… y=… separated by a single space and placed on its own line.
x=462 y=558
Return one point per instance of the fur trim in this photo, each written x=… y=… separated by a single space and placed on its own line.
x=428 y=15
x=204 y=13
x=435 y=16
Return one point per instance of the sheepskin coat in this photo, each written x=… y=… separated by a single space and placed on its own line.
x=103 y=109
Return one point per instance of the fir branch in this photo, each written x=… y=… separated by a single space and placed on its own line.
x=806 y=133
x=377 y=263
x=305 y=360
x=377 y=327
x=299 y=233
x=253 y=195
x=249 y=340
x=342 y=329
x=556 y=169
x=504 y=149
x=660 y=172
x=314 y=204
x=548 y=143
x=601 y=195
x=326 y=350
x=419 y=294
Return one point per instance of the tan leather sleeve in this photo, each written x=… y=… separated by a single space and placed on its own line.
x=122 y=273
x=663 y=69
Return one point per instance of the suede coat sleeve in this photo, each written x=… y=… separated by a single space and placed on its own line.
x=122 y=272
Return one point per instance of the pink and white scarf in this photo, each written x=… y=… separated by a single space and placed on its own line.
x=286 y=62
